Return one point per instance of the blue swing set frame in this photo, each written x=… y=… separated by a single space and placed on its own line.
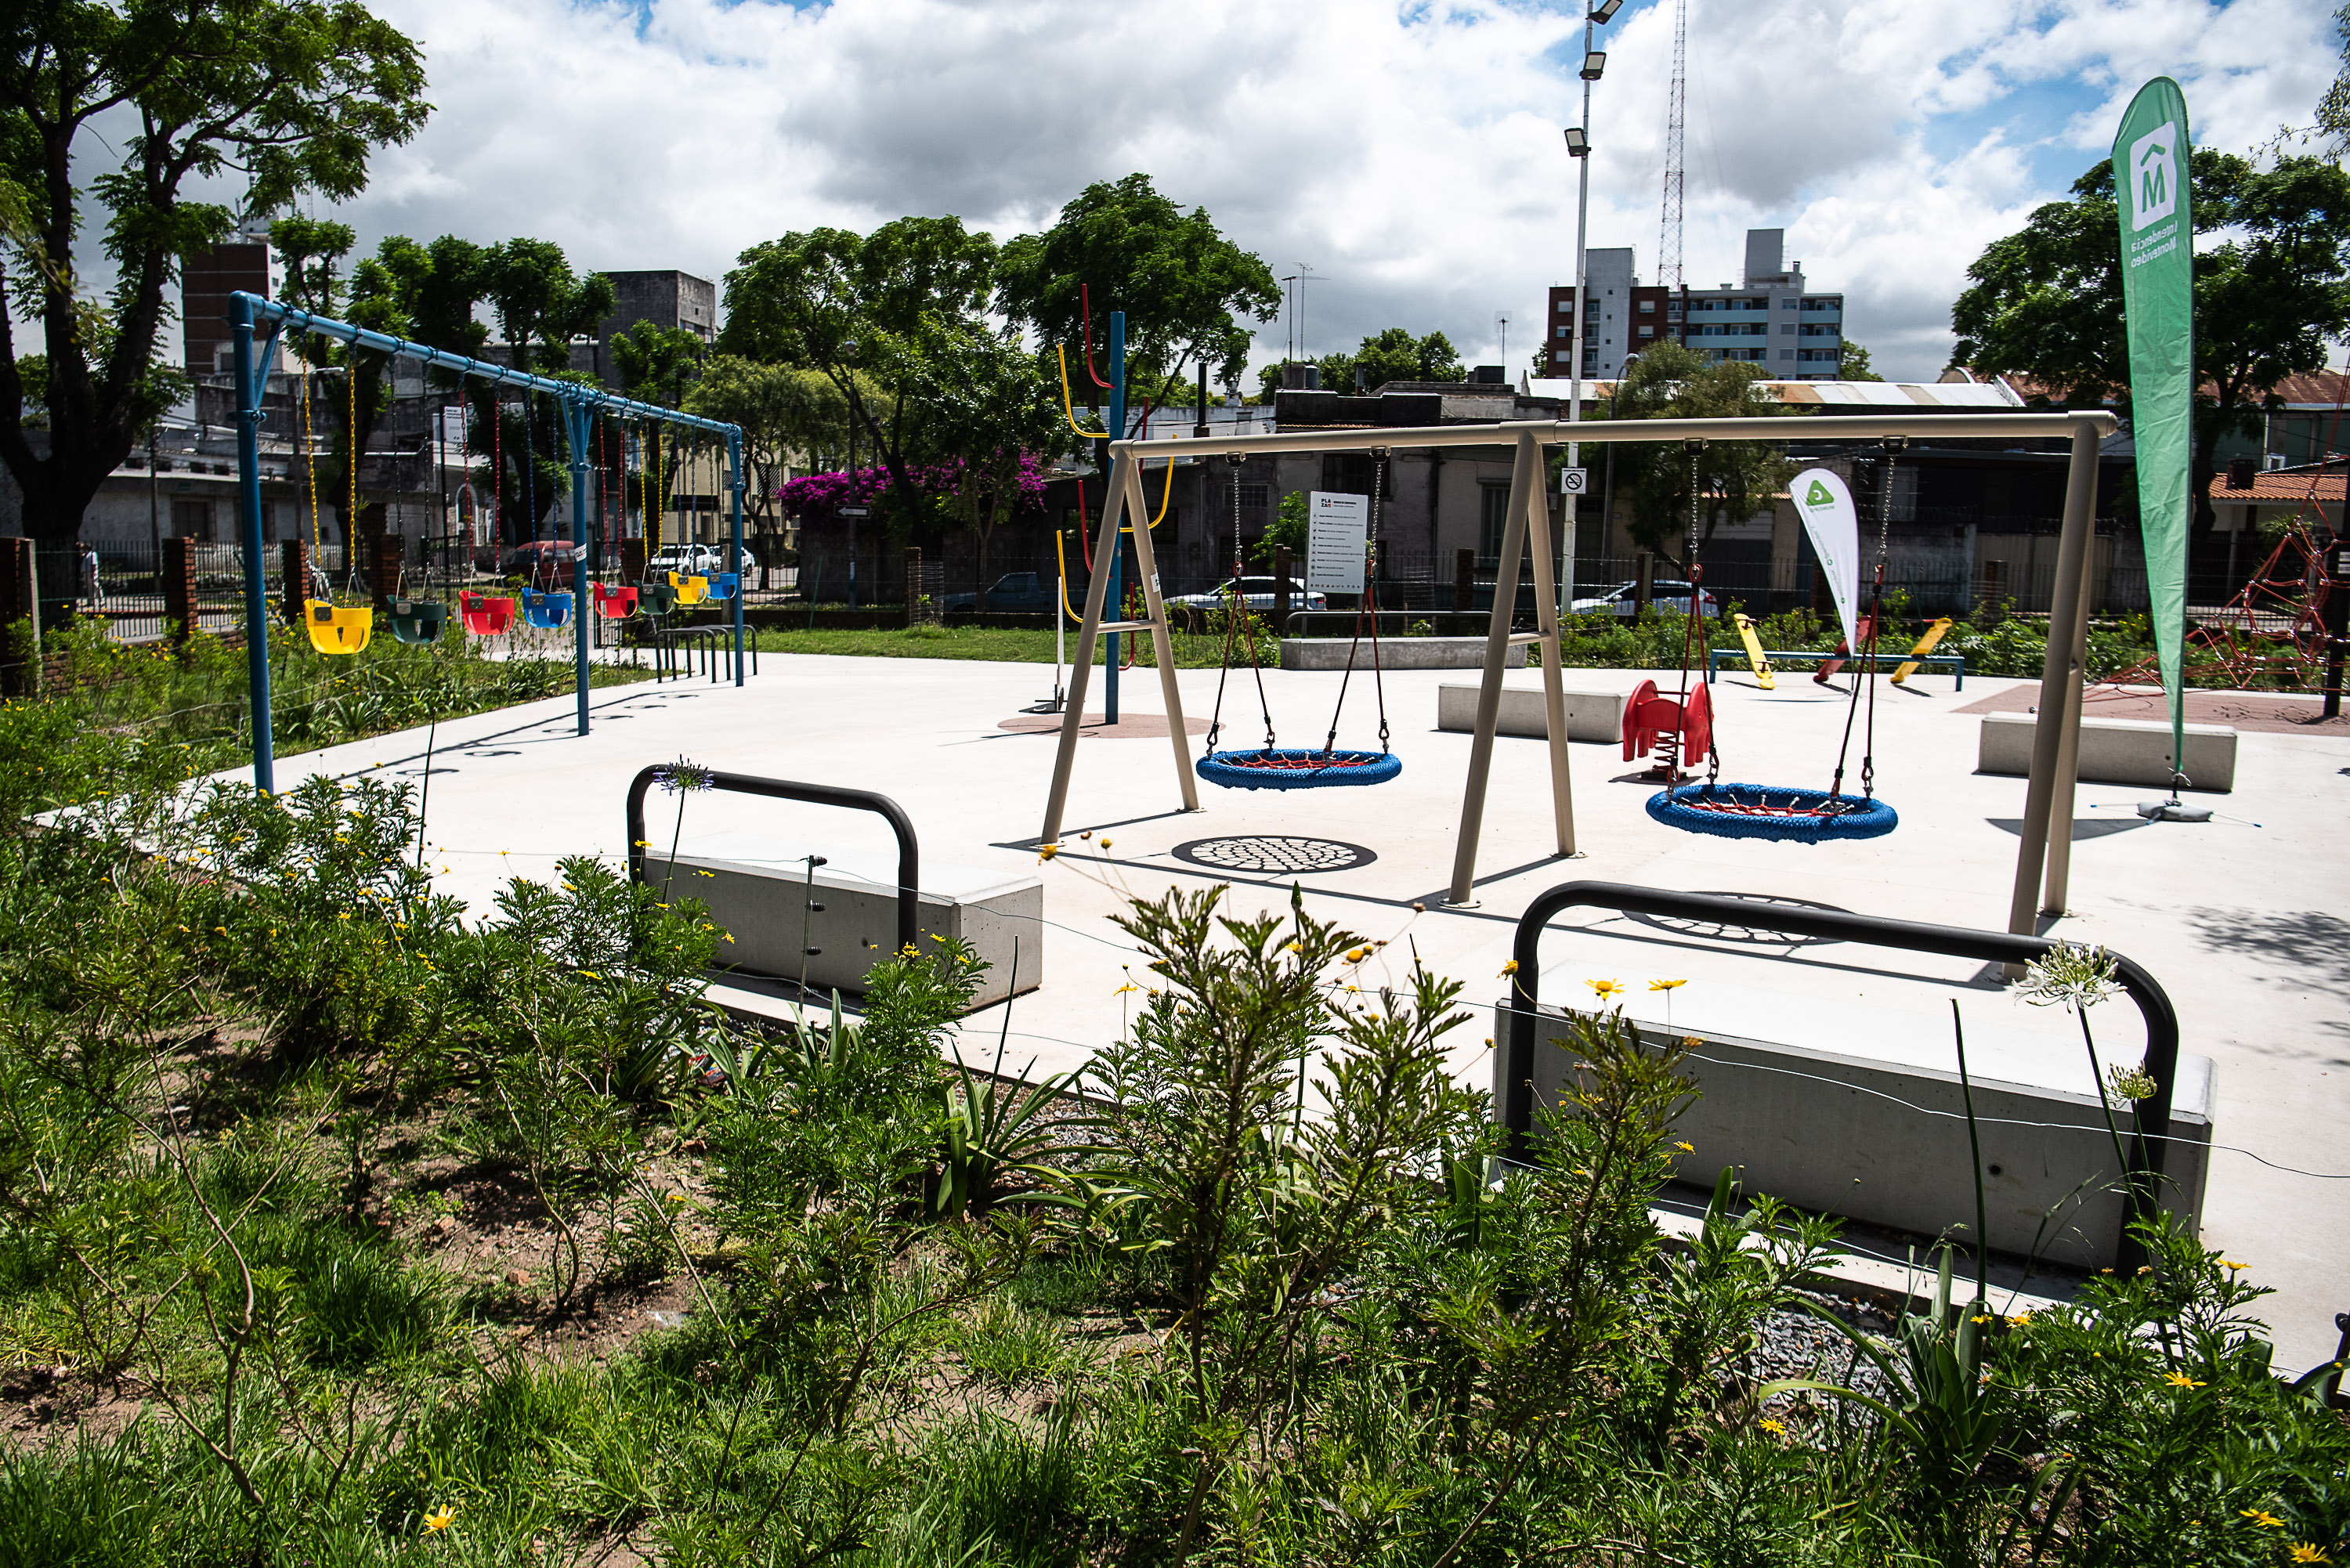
x=581 y=405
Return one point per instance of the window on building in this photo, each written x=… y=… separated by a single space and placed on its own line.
x=1786 y=329
x=1648 y=332
x=1789 y=303
x=1566 y=333
x=1786 y=353
x=1647 y=308
x=1256 y=497
x=192 y=520
x=1351 y=473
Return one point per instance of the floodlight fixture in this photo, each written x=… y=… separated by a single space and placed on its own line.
x=1578 y=141
x=1594 y=62
x=1605 y=11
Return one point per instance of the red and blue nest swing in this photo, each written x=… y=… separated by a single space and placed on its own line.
x=1779 y=812
x=1272 y=765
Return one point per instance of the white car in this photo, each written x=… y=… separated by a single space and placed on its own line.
x=1666 y=596
x=1256 y=593
x=694 y=560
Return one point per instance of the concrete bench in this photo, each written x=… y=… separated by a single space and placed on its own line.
x=1590 y=715
x=1395 y=653
x=2116 y=750
x=1884 y=1141
x=1722 y=659
x=761 y=907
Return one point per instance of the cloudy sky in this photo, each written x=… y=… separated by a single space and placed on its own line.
x=1410 y=155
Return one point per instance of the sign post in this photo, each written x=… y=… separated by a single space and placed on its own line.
x=1337 y=529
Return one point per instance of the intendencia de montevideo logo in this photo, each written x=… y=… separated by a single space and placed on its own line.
x=2153 y=177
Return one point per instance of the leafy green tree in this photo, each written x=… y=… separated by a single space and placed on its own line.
x=291 y=95
x=2046 y=302
x=657 y=363
x=541 y=305
x=885 y=305
x=1289 y=526
x=785 y=412
x=2333 y=108
x=1736 y=479
x=336 y=415
x=1853 y=364
x=991 y=414
x=1185 y=288
x=1394 y=355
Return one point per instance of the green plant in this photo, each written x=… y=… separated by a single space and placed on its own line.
x=1948 y=1414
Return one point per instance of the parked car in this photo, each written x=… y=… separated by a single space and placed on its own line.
x=696 y=561
x=1014 y=591
x=541 y=562
x=1255 y=591
x=1666 y=596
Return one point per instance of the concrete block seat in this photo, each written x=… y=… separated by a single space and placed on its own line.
x=2116 y=750
x=1395 y=653
x=761 y=907
x=1590 y=715
x=1856 y=1109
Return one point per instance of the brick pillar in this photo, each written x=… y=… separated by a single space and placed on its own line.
x=297 y=586
x=1464 y=580
x=914 y=585
x=364 y=541
x=179 y=587
x=387 y=553
x=16 y=616
x=632 y=560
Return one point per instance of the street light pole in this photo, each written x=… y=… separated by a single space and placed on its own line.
x=1578 y=147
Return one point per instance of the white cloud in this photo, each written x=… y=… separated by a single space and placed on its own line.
x=1412 y=156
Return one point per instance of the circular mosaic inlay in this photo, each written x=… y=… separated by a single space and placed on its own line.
x=1760 y=934
x=1274 y=854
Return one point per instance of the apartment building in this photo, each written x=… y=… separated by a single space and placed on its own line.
x=1771 y=318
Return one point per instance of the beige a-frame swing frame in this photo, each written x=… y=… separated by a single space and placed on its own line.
x=2055 y=741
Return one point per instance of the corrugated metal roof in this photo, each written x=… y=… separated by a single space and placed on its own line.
x=1834 y=394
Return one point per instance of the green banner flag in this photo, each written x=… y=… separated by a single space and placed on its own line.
x=2158 y=240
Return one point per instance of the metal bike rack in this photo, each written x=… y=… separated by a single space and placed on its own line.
x=1957 y=941
x=881 y=806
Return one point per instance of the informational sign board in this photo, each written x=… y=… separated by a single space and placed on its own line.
x=1336 y=528
x=1575 y=481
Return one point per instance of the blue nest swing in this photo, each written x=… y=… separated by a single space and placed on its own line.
x=1771 y=811
x=1284 y=768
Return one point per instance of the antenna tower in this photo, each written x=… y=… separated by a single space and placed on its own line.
x=1668 y=243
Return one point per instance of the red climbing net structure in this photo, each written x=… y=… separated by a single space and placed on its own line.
x=2275 y=633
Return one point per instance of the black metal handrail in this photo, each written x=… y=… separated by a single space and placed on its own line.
x=2161 y=1063
x=910 y=859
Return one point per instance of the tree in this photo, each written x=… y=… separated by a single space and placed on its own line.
x=993 y=416
x=1180 y=283
x=541 y=305
x=1736 y=479
x=2046 y=303
x=1393 y=355
x=1853 y=364
x=1289 y=527
x=292 y=95
x=782 y=412
x=882 y=306
x=2333 y=108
